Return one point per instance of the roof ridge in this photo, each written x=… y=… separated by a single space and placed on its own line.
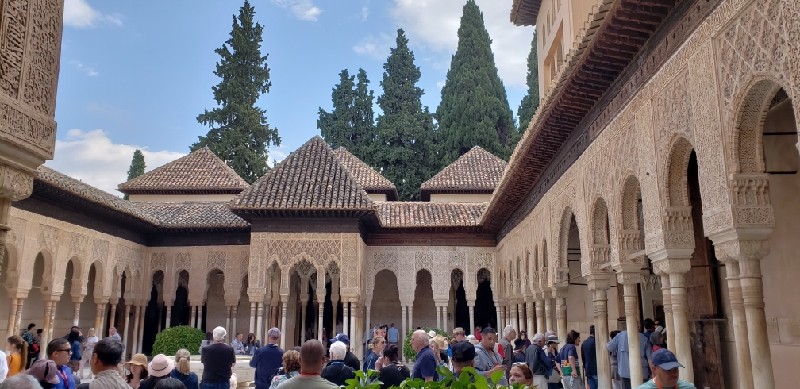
x=310 y=178
x=485 y=174
x=201 y=169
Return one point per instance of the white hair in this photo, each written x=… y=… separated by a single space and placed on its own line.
x=507 y=330
x=21 y=381
x=220 y=333
x=338 y=351
x=421 y=334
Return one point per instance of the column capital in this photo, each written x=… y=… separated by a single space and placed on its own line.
x=97 y=300
x=471 y=303
x=670 y=265
x=740 y=247
x=599 y=281
x=629 y=278
x=560 y=292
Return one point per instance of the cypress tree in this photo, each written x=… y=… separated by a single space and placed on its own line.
x=405 y=149
x=530 y=102
x=240 y=134
x=137 y=166
x=351 y=123
x=474 y=109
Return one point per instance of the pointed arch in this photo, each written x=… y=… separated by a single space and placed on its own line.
x=600 y=228
x=677 y=191
x=750 y=113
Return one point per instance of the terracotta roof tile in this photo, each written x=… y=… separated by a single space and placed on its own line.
x=201 y=171
x=193 y=215
x=90 y=193
x=361 y=172
x=311 y=178
x=425 y=214
x=477 y=169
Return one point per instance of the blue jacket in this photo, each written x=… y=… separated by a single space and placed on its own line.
x=266 y=360
x=589 y=357
x=76 y=351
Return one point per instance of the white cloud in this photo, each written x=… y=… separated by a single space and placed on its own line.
x=302 y=9
x=434 y=23
x=276 y=154
x=364 y=13
x=440 y=84
x=78 y=13
x=88 y=70
x=375 y=47
x=94 y=159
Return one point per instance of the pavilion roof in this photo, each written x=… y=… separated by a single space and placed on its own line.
x=476 y=171
x=200 y=215
x=199 y=172
x=368 y=178
x=309 y=182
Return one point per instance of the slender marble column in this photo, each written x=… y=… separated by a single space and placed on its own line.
x=284 y=308
x=303 y=305
x=599 y=285
x=200 y=316
x=403 y=324
x=169 y=314
x=47 y=328
x=320 y=316
x=141 y=327
x=529 y=312
x=235 y=313
x=499 y=311
x=744 y=365
x=231 y=331
x=632 y=326
x=680 y=305
x=540 y=318
x=438 y=317
x=18 y=317
x=549 y=315
x=335 y=304
x=471 y=305
x=411 y=317
x=515 y=318
x=193 y=310
x=112 y=317
x=356 y=320
x=352 y=322
x=369 y=313
x=260 y=321
x=76 y=316
x=753 y=299
x=135 y=333
x=253 y=318
x=12 y=317
x=346 y=318
x=127 y=327
x=666 y=296
x=98 y=320
x=561 y=312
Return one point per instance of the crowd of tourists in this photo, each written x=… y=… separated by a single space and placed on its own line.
x=541 y=361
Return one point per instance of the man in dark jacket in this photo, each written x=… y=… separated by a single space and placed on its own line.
x=350 y=359
x=268 y=359
x=589 y=353
x=537 y=360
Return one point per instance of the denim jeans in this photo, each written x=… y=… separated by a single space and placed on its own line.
x=215 y=385
x=592 y=381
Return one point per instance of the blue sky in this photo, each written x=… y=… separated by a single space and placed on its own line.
x=137 y=74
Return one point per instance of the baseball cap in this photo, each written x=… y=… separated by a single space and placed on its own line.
x=665 y=359
x=463 y=351
x=342 y=338
x=44 y=370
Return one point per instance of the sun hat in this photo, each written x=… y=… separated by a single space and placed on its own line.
x=665 y=359
x=44 y=370
x=553 y=339
x=440 y=342
x=458 y=330
x=137 y=359
x=431 y=334
x=160 y=366
x=471 y=339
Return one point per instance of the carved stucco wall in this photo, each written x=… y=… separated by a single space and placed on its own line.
x=710 y=98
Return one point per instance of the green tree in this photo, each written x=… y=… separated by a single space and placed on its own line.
x=351 y=123
x=405 y=150
x=474 y=109
x=530 y=102
x=240 y=134
x=137 y=166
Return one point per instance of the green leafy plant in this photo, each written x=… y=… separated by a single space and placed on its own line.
x=408 y=352
x=169 y=341
x=368 y=380
x=468 y=379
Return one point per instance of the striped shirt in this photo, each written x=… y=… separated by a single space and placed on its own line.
x=108 y=379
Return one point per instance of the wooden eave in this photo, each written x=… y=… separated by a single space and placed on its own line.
x=610 y=45
x=425 y=194
x=179 y=191
x=524 y=12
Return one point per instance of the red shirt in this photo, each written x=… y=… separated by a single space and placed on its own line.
x=478 y=335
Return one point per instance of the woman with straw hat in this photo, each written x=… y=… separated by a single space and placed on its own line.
x=159 y=369
x=137 y=367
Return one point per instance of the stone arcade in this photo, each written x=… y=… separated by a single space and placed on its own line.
x=657 y=179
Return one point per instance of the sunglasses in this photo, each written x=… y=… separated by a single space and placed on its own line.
x=67 y=350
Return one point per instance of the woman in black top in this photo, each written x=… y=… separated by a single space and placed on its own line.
x=393 y=373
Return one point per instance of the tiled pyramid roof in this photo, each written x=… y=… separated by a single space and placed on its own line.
x=477 y=170
x=199 y=172
x=424 y=214
x=201 y=215
x=310 y=179
x=370 y=180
